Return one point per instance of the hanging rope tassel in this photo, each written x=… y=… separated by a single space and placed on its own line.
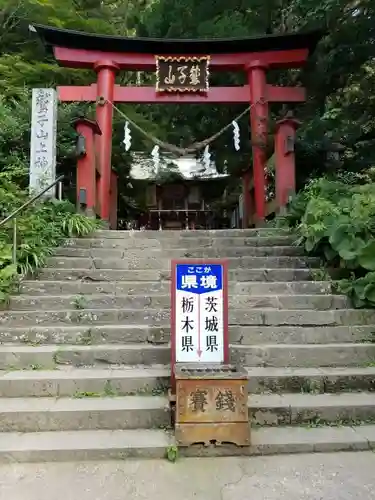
x=127 y=136
x=156 y=158
x=236 y=135
x=207 y=158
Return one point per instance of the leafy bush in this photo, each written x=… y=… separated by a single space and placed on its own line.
x=335 y=220
x=40 y=229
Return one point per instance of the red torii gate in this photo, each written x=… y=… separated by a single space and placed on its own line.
x=106 y=55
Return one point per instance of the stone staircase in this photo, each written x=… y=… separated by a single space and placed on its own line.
x=85 y=350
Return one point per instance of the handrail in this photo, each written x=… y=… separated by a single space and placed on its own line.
x=13 y=215
x=31 y=201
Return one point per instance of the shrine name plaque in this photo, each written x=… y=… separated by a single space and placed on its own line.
x=211 y=405
x=182 y=74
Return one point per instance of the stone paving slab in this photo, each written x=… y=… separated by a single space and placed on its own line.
x=336 y=476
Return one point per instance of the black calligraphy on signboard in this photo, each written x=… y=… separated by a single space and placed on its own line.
x=42 y=103
x=182 y=74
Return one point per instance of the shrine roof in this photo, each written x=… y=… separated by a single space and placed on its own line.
x=108 y=43
x=187 y=168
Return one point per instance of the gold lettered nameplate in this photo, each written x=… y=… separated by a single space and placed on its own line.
x=182 y=74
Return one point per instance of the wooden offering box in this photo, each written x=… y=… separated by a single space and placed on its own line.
x=211 y=405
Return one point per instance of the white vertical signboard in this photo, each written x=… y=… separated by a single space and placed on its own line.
x=43 y=140
x=199 y=313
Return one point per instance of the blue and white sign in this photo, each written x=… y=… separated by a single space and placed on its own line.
x=199 y=313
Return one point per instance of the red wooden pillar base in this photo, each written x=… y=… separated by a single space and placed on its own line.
x=285 y=175
x=86 y=165
x=113 y=201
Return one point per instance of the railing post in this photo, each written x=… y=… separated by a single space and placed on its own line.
x=59 y=190
x=14 y=249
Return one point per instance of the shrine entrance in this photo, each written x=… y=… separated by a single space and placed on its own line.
x=182 y=69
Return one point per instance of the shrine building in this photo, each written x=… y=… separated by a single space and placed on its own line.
x=179 y=193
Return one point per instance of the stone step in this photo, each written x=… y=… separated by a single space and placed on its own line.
x=287 y=440
x=198 y=252
x=304 y=355
x=249 y=335
x=105 y=275
x=49 y=357
x=164 y=287
x=305 y=409
x=132 y=334
x=310 y=380
x=111 y=287
x=144 y=263
x=67 y=381
x=155 y=301
x=301 y=317
x=91 y=382
x=160 y=317
x=86 y=413
x=96 y=445
x=86 y=335
x=13 y=357
x=143 y=412
x=83 y=445
x=180 y=242
x=211 y=233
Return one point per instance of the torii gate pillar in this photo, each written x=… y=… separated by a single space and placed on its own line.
x=88 y=133
x=285 y=175
x=259 y=126
x=106 y=71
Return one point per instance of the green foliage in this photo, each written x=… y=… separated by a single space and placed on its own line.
x=336 y=221
x=340 y=78
x=25 y=64
x=172 y=453
x=40 y=228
